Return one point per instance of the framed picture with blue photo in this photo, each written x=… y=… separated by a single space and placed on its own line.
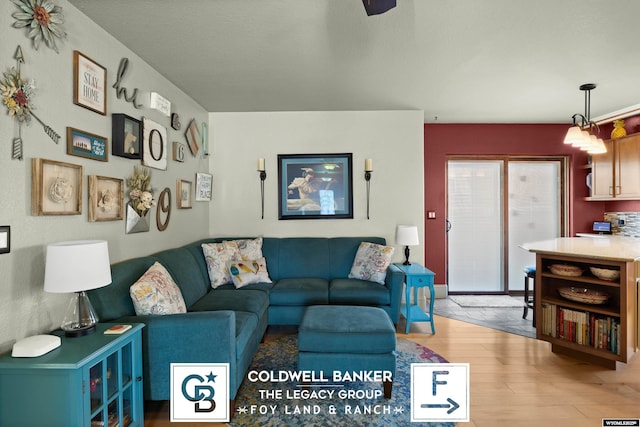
x=85 y=144
x=315 y=186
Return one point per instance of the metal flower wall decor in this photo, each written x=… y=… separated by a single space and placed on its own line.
x=43 y=20
x=17 y=95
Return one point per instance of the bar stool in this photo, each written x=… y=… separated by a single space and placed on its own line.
x=529 y=294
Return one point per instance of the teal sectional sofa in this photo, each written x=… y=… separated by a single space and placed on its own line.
x=225 y=324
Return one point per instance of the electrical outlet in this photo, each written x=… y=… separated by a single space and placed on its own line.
x=431 y=214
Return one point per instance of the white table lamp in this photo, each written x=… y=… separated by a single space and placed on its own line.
x=77 y=266
x=407 y=235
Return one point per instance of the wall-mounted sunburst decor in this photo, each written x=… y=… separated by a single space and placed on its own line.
x=43 y=21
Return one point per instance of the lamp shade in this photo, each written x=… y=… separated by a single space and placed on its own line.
x=407 y=235
x=574 y=136
x=77 y=266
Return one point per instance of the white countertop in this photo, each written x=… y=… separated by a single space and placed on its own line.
x=618 y=248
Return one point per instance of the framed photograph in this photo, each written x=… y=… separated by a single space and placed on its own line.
x=56 y=188
x=154 y=147
x=184 y=190
x=126 y=136
x=89 y=83
x=5 y=239
x=106 y=198
x=204 y=182
x=85 y=144
x=315 y=186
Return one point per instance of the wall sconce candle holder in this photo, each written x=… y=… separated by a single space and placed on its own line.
x=263 y=176
x=368 y=170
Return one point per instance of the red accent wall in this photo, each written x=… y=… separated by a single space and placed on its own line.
x=441 y=140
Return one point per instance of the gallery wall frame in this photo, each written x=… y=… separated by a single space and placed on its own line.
x=192 y=135
x=106 y=198
x=126 y=136
x=5 y=239
x=89 y=83
x=56 y=188
x=154 y=147
x=184 y=191
x=315 y=186
x=88 y=145
x=204 y=183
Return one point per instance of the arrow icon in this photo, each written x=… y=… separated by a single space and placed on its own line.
x=452 y=405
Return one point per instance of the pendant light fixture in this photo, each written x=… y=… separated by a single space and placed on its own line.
x=582 y=135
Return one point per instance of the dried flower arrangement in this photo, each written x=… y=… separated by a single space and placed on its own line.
x=17 y=94
x=139 y=184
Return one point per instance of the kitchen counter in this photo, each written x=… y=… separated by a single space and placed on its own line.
x=616 y=248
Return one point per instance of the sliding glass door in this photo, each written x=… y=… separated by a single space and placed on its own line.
x=494 y=206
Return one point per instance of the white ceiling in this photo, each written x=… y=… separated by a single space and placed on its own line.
x=462 y=61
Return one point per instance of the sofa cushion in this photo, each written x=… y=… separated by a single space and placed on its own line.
x=156 y=293
x=244 y=273
x=217 y=255
x=342 y=251
x=246 y=325
x=186 y=272
x=113 y=301
x=251 y=301
x=303 y=257
x=299 y=291
x=346 y=329
x=249 y=248
x=358 y=292
x=371 y=262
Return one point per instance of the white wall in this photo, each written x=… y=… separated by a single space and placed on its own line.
x=393 y=139
x=25 y=309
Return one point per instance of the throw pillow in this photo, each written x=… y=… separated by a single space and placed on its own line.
x=216 y=256
x=246 y=272
x=371 y=262
x=156 y=293
x=250 y=249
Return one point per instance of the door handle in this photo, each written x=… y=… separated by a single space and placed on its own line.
x=448 y=224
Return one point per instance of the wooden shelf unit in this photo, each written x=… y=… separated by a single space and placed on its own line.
x=618 y=317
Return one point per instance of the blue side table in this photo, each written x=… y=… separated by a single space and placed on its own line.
x=415 y=277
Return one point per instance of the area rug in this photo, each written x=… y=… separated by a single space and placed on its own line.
x=486 y=301
x=275 y=404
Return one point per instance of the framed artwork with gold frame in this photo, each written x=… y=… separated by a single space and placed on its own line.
x=56 y=188
x=106 y=198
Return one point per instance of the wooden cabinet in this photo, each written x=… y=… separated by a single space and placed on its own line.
x=616 y=173
x=95 y=380
x=599 y=333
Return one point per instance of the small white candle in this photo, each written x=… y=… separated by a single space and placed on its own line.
x=368 y=165
x=260 y=164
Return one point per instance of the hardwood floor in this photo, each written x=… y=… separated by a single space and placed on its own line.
x=515 y=381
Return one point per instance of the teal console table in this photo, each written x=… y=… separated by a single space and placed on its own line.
x=95 y=380
x=415 y=277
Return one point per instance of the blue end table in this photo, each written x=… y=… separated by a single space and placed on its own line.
x=417 y=276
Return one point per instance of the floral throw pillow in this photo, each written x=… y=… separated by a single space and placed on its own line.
x=371 y=262
x=246 y=272
x=156 y=293
x=216 y=256
x=250 y=249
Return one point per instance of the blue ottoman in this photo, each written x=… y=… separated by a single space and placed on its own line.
x=348 y=339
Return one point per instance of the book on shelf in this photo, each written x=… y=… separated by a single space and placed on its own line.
x=581 y=327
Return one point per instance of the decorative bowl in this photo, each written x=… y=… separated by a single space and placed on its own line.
x=583 y=295
x=605 y=273
x=566 y=270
